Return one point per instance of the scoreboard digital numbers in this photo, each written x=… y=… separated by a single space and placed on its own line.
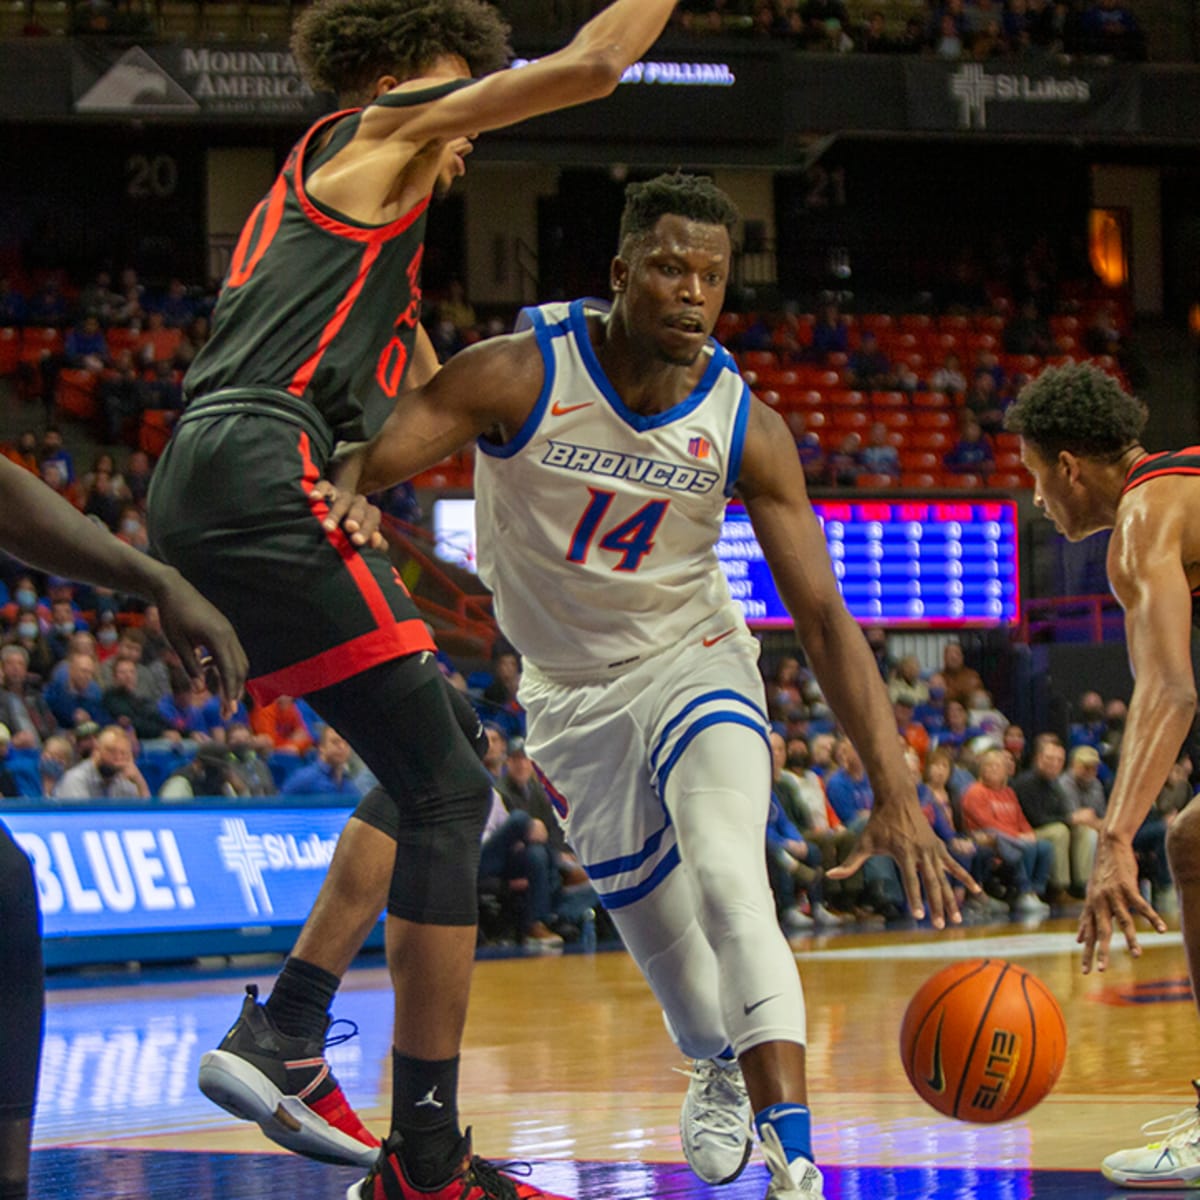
x=897 y=562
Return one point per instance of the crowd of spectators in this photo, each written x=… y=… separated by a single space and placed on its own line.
x=119 y=341
x=1022 y=815
x=953 y=29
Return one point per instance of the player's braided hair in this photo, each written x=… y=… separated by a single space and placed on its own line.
x=344 y=46
x=1078 y=408
x=677 y=195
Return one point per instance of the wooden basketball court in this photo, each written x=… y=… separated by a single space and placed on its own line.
x=567 y=1067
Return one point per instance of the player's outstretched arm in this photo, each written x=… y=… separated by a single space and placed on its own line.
x=41 y=528
x=490 y=387
x=772 y=485
x=587 y=68
x=1145 y=568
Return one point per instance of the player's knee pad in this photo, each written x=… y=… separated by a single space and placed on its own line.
x=437 y=859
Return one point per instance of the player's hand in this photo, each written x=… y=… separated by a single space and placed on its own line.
x=1113 y=900
x=901 y=831
x=204 y=640
x=356 y=515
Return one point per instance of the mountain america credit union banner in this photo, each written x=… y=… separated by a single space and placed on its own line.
x=163 y=869
x=190 y=81
x=1019 y=97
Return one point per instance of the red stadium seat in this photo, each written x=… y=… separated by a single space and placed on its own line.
x=888 y=401
x=931 y=400
x=757 y=359
x=802 y=399
x=876 y=322
x=37 y=343
x=954 y=323
x=917 y=480
x=919 y=460
x=894 y=418
x=951 y=479
x=875 y=481
x=1007 y=443
x=1008 y=460
x=844 y=398
x=916 y=322
x=934 y=418
x=10 y=349
x=75 y=394
x=155 y=430
x=929 y=439
x=1009 y=480
x=849 y=419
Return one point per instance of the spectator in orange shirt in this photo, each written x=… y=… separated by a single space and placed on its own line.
x=913 y=732
x=992 y=814
x=283 y=723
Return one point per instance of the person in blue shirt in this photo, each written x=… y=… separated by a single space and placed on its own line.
x=76 y=695
x=327 y=776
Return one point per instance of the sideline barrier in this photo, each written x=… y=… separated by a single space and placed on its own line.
x=159 y=881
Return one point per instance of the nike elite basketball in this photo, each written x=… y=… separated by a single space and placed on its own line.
x=983 y=1041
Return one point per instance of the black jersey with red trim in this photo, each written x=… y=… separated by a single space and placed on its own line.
x=316 y=304
x=1155 y=466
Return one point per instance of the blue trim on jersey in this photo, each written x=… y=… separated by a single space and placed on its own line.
x=545 y=335
x=739 y=440
x=628 y=862
x=629 y=895
x=638 y=421
x=717 y=718
x=691 y=706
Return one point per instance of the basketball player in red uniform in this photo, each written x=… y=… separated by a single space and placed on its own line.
x=315 y=332
x=1081 y=439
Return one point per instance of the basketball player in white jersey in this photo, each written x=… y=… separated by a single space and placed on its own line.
x=609 y=443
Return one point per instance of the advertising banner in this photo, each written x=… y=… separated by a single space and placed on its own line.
x=1021 y=97
x=162 y=869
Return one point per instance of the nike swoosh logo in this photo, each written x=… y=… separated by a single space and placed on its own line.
x=712 y=641
x=558 y=410
x=749 y=1008
x=936 y=1080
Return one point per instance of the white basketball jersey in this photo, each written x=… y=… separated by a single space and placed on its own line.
x=597 y=526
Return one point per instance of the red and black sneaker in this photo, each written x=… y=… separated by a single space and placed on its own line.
x=474 y=1179
x=285 y=1086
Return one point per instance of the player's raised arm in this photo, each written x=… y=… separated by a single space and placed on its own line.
x=1145 y=568
x=772 y=484
x=587 y=68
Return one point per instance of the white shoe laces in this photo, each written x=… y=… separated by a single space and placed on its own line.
x=722 y=1099
x=1178 y=1129
x=784 y=1185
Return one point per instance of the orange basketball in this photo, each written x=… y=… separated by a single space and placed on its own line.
x=983 y=1041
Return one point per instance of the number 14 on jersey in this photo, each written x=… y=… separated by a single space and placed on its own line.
x=632 y=539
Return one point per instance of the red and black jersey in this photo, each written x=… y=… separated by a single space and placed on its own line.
x=1155 y=466
x=316 y=304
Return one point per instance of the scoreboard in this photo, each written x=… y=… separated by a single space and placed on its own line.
x=897 y=562
x=900 y=561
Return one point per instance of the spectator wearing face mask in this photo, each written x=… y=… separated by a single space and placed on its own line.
x=26 y=604
x=64 y=624
x=57 y=757
x=108 y=773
